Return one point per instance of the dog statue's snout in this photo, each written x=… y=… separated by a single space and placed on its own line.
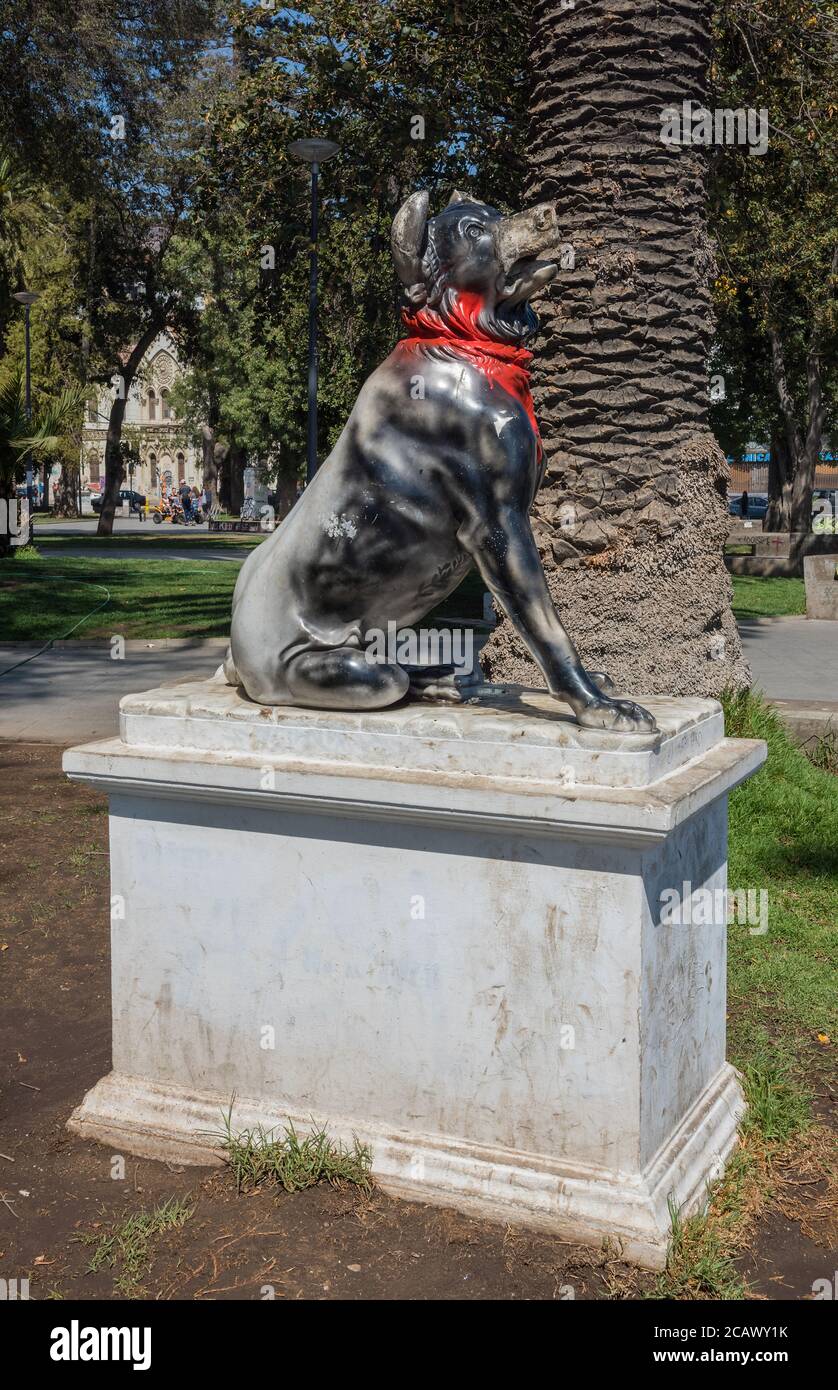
x=524 y=234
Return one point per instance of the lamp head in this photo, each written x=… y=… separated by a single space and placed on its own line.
x=312 y=150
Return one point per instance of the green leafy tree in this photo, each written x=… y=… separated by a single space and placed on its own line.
x=95 y=105
x=25 y=213
x=774 y=219
x=70 y=71
x=140 y=279
x=59 y=348
x=38 y=438
x=415 y=96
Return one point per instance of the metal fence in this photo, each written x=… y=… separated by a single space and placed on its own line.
x=751 y=474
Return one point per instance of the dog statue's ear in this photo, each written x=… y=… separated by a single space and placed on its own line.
x=457 y=197
x=406 y=238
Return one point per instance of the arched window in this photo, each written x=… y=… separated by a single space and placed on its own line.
x=92 y=413
x=181 y=468
x=152 y=403
x=93 y=468
x=152 y=470
x=165 y=407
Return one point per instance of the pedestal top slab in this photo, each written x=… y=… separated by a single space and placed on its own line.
x=506 y=732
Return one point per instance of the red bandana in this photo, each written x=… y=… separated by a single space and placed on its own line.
x=500 y=362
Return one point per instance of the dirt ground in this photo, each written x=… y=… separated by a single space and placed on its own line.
x=57 y=1195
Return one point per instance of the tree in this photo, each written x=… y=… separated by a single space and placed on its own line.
x=415 y=95
x=775 y=222
x=48 y=262
x=24 y=213
x=139 y=277
x=39 y=437
x=71 y=71
x=94 y=103
x=633 y=516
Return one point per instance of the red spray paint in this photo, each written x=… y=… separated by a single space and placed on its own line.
x=501 y=363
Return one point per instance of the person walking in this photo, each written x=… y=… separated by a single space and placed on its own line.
x=186 y=502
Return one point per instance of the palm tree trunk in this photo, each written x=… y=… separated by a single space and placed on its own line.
x=632 y=519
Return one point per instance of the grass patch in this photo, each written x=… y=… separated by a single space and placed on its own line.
x=823 y=752
x=778 y=1105
x=128 y=1247
x=43 y=596
x=41 y=599
x=256 y=1156
x=698 y=1263
x=783 y=987
x=783 y=1002
x=701 y=1260
x=754 y=597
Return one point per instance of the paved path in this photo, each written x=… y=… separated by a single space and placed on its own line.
x=91 y=551
x=792 y=658
x=71 y=693
x=122 y=526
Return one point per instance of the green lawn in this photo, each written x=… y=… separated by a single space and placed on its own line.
x=159 y=596
x=41 y=599
x=767 y=598
x=782 y=1006
x=783 y=986
x=43 y=596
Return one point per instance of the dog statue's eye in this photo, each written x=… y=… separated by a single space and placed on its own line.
x=474 y=231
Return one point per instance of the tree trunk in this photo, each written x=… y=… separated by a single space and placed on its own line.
x=66 y=491
x=778 y=516
x=235 y=475
x=632 y=519
x=209 y=465
x=801 y=449
x=804 y=476
x=213 y=451
x=286 y=494
x=114 y=467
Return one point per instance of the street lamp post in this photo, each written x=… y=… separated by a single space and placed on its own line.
x=27 y=298
x=313 y=152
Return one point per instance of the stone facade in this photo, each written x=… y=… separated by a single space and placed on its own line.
x=166 y=455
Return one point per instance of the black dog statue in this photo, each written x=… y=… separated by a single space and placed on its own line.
x=435 y=471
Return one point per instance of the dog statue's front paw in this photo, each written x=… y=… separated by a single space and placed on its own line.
x=622 y=715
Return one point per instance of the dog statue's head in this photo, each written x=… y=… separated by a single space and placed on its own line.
x=472 y=248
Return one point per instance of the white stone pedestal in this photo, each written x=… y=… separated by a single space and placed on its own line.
x=436 y=928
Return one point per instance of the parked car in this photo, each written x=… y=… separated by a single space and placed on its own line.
x=135 y=500
x=757 y=505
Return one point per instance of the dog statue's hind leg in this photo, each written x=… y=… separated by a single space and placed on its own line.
x=343 y=678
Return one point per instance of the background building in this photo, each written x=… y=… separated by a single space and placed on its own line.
x=751 y=471
x=150 y=426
